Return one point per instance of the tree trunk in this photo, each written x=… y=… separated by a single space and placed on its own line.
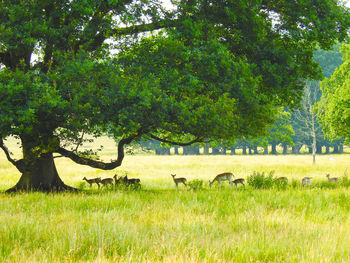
x=285 y=148
x=266 y=150
x=327 y=149
x=163 y=151
x=310 y=149
x=314 y=147
x=176 y=150
x=296 y=148
x=335 y=149
x=318 y=148
x=191 y=150
x=233 y=150
x=244 y=149
x=273 y=148
x=41 y=175
x=341 y=148
x=206 y=148
x=255 y=149
x=39 y=172
x=215 y=151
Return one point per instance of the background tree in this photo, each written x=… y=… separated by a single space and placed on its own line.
x=334 y=107
x=211 y=69
x=281 y=132
x=329 y=61
x=307 y=116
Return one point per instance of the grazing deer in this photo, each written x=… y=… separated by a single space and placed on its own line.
x=238 y=181
x=222 y=177
x=107 y=181
x=179 y=180
x=131 y=181
x=332 y=179
x=96 y=180
x=306 y=180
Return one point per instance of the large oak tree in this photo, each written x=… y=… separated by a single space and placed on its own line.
x=132 y=69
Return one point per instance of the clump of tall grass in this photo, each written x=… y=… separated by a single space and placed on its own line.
x=195 y=185
x=326 y=185
x=295 y=183
x=261 y=181
x=344 y=181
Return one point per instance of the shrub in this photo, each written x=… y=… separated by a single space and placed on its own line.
x=195 y=185
x=260 y=181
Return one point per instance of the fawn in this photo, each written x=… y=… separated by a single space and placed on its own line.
x=332 y=179
x=179 y=180
x=306 y=180
x=96 y=180
x=131 y=181
x=117 y=180
x=238 y=181
x=107 y=181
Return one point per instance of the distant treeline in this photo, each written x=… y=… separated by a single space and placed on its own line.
x=247 y=149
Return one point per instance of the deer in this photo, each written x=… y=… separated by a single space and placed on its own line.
x=222 y=177
x=306 y=180
x=130 y=181
x=179 y=180
x=238 y=181
x=117 y=180
x=96 y=180
x=332 y=179
x=107 y=181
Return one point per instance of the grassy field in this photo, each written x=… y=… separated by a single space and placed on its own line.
x=162 y=224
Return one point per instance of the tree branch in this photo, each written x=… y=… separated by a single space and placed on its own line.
x=7 y=153
x=98 y=164
x=18 y=164
x=134 y=29
x=176 y=143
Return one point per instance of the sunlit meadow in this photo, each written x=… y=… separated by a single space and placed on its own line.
x=161 y=224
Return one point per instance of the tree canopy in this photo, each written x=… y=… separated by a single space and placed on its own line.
x=133 y=69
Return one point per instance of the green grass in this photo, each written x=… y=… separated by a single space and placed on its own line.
x=161 y=224
x=295 y=225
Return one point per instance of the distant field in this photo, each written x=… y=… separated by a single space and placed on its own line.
x=162 y=224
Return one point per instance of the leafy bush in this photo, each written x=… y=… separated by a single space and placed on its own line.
x=260 y=181
x=195 y=185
